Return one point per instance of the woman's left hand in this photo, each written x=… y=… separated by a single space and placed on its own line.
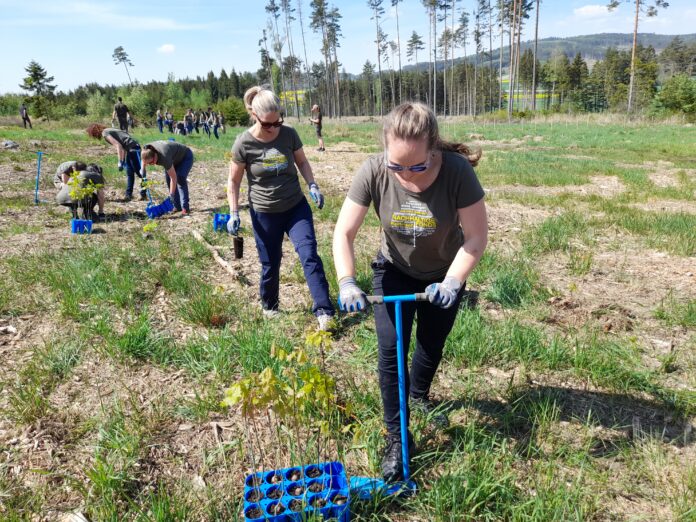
x=443 y=294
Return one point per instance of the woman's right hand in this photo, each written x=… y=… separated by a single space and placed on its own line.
x=350 y=297
x=234 y=223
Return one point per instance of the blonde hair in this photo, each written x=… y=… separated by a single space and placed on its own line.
x=261 y=100
x=415 y=121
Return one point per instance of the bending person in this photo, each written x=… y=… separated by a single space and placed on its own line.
x=434 y=231
x=271 y=154
x=128 y=150
x=177 y=160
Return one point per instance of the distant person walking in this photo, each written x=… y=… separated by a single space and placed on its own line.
x=121 y=114
x=169 y=120
x=316 y=121
x=177 y=160
x=160 y=120
x=188 y=119
x=214 y=122
x=203 y=117
x=25 y=116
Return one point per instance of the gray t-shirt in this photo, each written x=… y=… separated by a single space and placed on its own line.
x=270 y=167
x=421 y=233
x=169 y=153
x=62 y=169
x=125 y=139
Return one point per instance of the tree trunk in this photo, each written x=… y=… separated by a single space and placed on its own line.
x=128 y=73
x=304 y=47
x=398 y=46
x=633 y=58
x=511 y=67
x=534 y=71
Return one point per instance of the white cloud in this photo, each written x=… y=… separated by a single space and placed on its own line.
x=591 y=11
x=90 y=13
x=166 y=49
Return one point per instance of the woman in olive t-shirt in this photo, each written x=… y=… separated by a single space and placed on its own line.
x=271 y=155
x=434 y=231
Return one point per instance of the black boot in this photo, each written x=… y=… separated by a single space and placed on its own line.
x=392 y=464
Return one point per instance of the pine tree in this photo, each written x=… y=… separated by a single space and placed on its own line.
x=121 y=56
x=37 y=81
x=650 y=10
x=415 y=44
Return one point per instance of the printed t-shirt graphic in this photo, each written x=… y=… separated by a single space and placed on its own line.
x=274 y=161
x=412 y=220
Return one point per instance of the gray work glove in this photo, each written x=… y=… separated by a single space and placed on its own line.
x=443 y=294
x=234 y=223
x=350 y=297
x=316 y=195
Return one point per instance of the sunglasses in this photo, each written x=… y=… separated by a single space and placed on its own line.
x=268 y=125
x=418 y=167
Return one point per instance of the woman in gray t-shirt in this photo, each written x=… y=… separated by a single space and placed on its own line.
x=434 y=231
x=271 y=155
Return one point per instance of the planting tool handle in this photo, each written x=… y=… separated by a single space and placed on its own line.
x=379 y=299
x=38 y=175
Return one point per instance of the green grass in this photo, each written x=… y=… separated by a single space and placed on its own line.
x=672 y=232
x=674 y=311
x=556 y=233
x=28 y=394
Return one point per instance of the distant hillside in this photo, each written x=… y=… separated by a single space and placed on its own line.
x=591 y=46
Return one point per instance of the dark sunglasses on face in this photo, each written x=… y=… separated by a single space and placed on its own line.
x=418 y=167
x=268 y=125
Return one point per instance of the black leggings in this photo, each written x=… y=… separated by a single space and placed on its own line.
x=434 y=325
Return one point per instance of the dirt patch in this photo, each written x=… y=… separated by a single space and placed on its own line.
x=662 y=173
x=667 y=205
x=606 y=186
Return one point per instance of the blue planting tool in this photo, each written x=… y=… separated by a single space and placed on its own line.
x=38 y=175
x=367 y=487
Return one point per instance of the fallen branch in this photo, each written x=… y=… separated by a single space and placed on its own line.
x=224 y=264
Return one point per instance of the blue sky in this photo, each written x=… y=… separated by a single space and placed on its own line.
x=74 y=39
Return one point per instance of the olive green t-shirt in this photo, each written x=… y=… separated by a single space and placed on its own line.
x=63 y=168
x=421 y=233
x=270 y=167
x=169 y=153
x=125 y=139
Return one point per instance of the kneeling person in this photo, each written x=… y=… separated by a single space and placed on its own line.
x=92 y=175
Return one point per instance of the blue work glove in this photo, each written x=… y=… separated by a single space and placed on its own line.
x=316 y=195
x=233 y=223
x=443 y=294
x=350 y=297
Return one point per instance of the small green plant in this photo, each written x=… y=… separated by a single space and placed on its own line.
x=299 y=402
x=80 y=191
x=150 y=227
x=579 y=261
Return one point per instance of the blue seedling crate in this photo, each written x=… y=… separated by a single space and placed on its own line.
x=155 y=211
x=220 y=222
x=292 y=494
x=81 y=226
